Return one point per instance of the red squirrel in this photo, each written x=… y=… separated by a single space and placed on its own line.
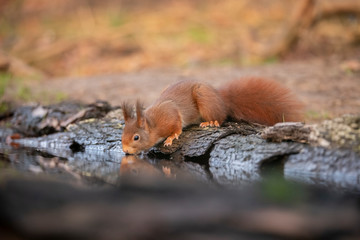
x=188 y=102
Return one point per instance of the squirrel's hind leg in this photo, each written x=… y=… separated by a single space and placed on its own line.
x=211 y=124
x=211 y=107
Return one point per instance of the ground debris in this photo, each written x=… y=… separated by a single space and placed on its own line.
x=40 y=120
x=294 y=131
x=341 y=132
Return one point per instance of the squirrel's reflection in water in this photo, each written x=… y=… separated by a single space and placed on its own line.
x=133 y=166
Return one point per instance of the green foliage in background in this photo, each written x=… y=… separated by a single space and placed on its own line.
x=4 y=82
x=15 y=90
x=278 y=190
x=201 y=34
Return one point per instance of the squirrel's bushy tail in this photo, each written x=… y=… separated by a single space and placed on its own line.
x=260 y=100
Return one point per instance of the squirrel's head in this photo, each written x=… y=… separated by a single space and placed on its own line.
x=135 y=136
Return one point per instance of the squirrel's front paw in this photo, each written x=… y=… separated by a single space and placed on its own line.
x=168 y=141
x=211 y=124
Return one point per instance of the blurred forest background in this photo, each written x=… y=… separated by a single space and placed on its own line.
x=42 y=39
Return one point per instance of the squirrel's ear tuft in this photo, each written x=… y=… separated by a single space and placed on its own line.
x=140 y=120
x=127 y=111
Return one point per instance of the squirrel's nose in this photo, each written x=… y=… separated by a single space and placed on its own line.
x=127 y=150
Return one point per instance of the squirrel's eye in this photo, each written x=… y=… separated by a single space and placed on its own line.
x=136 y=137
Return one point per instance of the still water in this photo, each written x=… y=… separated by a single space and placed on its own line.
x=96 y=167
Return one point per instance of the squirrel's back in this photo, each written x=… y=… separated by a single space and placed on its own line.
x=260 y=100
x=181 y=95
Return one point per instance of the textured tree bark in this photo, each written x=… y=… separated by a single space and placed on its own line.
x=231 y=155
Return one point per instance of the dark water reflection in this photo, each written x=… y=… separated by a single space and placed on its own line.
x=99 y=167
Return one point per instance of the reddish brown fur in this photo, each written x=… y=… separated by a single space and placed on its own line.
x=127 y=111
x=164 y=120
x=209 y=103
x=140 y=120
x=260 y=100
x=187 y=102
x=180 y=94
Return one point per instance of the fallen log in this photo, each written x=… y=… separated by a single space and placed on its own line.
x=231 y=155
